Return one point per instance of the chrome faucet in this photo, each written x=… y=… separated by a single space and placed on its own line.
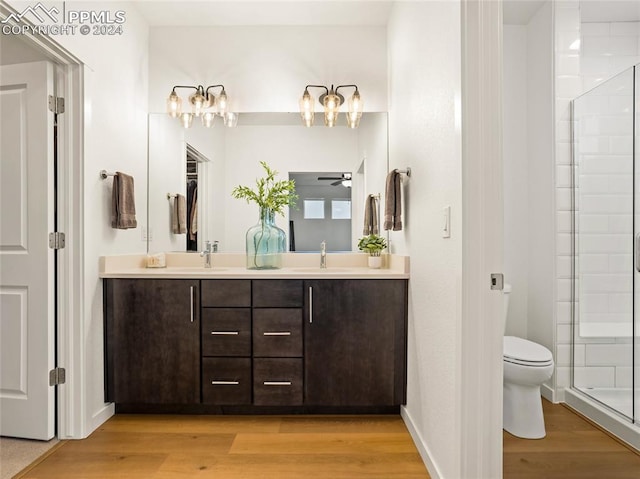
x=323 y=254
x=207 y=254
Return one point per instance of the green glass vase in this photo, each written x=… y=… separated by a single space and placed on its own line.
x=265 y=243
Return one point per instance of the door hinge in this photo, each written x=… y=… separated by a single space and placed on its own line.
x=57 y=376
x=497 y=281
x=56 y=240
x=56 y=104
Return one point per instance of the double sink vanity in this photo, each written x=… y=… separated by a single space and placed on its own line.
x=225 y=339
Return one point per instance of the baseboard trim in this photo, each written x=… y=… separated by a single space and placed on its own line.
x=100 y=417
x=548 y=393
x=423 y=449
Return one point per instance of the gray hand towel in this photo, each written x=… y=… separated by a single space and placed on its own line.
x=179 y=215
x=370 y=216
x=123 y=202
x=393 y=202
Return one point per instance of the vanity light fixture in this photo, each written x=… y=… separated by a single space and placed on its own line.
x=204 y=104
x=331 y=101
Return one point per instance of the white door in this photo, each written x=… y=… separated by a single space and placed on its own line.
x=27 y=402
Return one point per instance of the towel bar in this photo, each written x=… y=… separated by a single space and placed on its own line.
x=405 y=172
x=169 y=195
x=104 y=174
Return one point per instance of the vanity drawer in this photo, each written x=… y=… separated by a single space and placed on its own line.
x=226 y=293
x=277 y=293
x=277 y=382
x=277 y=333
x=226 y=332
x=226 y=381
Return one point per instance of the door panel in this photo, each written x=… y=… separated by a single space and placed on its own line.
x=26 y=263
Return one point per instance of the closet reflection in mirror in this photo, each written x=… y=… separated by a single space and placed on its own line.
x=230 y=157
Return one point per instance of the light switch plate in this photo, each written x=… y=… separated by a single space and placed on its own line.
x=446 y=222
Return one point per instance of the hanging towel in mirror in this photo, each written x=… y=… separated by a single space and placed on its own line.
x=393 y=202
x=370 y=216
x=179 y=215
x=123 y=203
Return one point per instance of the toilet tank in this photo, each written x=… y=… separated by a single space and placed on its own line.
x=506 y=291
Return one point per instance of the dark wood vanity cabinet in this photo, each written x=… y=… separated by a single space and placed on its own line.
x=152 y=329
x=355 y=342
x=205 y=345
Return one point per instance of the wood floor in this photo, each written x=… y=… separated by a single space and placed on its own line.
x=314 y=447
x=246 y=447
x=572 y=449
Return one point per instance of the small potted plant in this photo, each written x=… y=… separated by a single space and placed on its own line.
x=373 y=245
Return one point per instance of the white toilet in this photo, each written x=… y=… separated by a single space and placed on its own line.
x=526 y=366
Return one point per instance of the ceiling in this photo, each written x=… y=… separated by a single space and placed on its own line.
x=265 y=12
x=519 y=12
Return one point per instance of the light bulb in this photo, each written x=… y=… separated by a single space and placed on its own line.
x=223 y=103
x=355 y=105
x=186 y=119
x=331 y=108
x=306 y=108
x=207 y=118
x=174 y=105
x=198 y=101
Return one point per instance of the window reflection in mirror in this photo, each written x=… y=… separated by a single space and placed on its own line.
x=322 y=212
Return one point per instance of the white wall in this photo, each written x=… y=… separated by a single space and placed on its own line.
x=265 y=69
x=516 y=176
x=424 y=131
x=115 y=72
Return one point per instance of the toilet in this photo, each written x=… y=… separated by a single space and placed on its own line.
x=526 y=366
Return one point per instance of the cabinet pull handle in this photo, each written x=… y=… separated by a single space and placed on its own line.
x=225 y=383
x=277 y=333
x=192 y=313
x=310 y=304
x=277 y=383
x=225 y=333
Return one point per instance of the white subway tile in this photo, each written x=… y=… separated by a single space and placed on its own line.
x=594 y=303
x=624 y=377
x=595 y=46
x=605 y=164
x=568 y=42
x=564 y=267
x=563 y=199
x=620 y=204
x=621 y=223
x=594 y=66
x=569 y=65
x=606 y=283
x=563 y=332
x=564 y=222
x=621 y=303
x=595 y=29
x=594 y=377
x=594 y=263
x=563 y=293
x=563 y=355
x=563 y=153
x=621 y=46
x=563 y=176
x=568 y=85
x=618 y=64
x=593 y=145
x=563 y=312
x=621 y=145
x=567 y=19
x=624 y=29
x=593 y=184
x=619 y=104
x=609 y=355
x=563 y=130
x=564 y=244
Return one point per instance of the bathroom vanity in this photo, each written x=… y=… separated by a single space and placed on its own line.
x=240 y=341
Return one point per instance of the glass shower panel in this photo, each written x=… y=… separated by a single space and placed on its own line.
x=636 y=329
x=604 y=243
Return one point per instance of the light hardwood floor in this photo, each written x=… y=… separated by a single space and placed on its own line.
x=314 y=447
x=246 y=447
x=572 y=449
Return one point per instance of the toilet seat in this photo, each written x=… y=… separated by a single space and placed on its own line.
x=525 y=353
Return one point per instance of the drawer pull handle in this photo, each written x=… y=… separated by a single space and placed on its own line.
x=277 y=333
x=225 y=333
x=277 y=383
x=225 y=383
x=192 y=301
x=310 y=304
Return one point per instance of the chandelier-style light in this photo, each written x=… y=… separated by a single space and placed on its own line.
x=331 y=101
x=204 y=104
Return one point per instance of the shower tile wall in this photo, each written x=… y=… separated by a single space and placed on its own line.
x=605 y=49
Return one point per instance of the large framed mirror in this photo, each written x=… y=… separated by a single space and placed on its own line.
x=218 y=159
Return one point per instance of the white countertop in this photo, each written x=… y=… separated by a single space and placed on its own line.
x=231 y=266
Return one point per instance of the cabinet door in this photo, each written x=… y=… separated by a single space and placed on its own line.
x=153 y=341
x=355 y=342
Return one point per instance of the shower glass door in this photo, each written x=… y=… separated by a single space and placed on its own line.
x=606 y=225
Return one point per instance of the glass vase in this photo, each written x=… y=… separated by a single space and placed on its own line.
x=265 y=243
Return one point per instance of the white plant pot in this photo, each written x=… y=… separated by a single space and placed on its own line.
x=375 y=262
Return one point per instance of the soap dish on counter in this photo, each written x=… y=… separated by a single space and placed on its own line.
x=157 y=260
